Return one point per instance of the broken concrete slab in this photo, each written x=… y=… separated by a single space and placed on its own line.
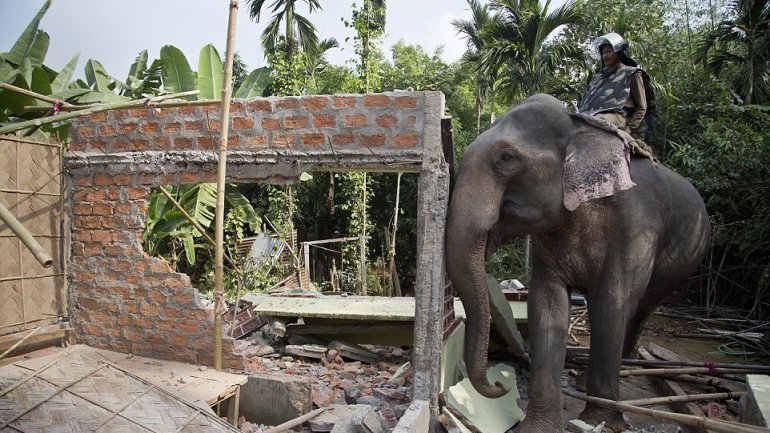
x=272 y=399
x=315 y=351
x=452 y=353
x=756 y=404
x=365 y=420
x=416 y=419
x=503 y=317
x=337 y=418
x=355 y=352
x=489 y=415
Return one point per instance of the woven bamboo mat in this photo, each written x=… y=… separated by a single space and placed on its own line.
x=71 y=391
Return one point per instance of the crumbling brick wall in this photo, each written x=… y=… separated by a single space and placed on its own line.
x=124 y=300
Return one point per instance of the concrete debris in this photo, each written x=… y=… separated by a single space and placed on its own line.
x=580 y=426
x=354 y=351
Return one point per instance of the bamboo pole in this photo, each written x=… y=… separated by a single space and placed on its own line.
x=687 y=370
x=169 y=104
x=691 y=420
x=661 y=363
x=684 y=398
x=25 y=237
x=18 y=343
x=98 y=109
x=44 y=98
x=296 y=421
x=221 y=174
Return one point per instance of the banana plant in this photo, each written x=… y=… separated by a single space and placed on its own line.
x=169 y=232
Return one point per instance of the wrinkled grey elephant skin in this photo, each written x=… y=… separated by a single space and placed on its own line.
x=624 y=231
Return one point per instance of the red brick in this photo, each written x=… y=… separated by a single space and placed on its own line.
x=122 y=179
x=78 y=248
x=188 y=327
x=159 y=266
x=102 y=209
x=410 y=121
x=284 y=140
x=102 y=317
x=138 y=193
x=237 y=107
x=295 y=122
x=132 y=334
x=121 y=208
x=155 y=337
x=185 y=297
x=102 y=179
x=193 y=125
x=117 y=267
x=186 y=111
x=174 y=313
x=121 y=114
x=260 y=105
x=315 y=103
x=410 y=139
x=213 y=125
x=120 y=145
x=207 y=143
x=140 y=113
x=86 y=132
x=98 y=117
x=405 y=102
x=376 y=101
x=324 y=121
x=241 y=123
x=82 y=209
x=83 y=181
x=208 y=176
x=210 y=110
x=140 y=144
x=313 y=139
x=150 y=310
x=107 y=130
x=188 y=177
x=161 y=143
x=234 y=142
x=127 y=129
x=289 y=103
x=387 y=121
x=91 y=329
x=355 y=120
x=176 y=281
x=103 y=236
x=374 y=140
x=343 y=102
x=183 y=143
x=150 y=128
x=92 y=249
x=166 y=325
x=179 y=340
x=157 y=297
x=269 y=124
x=88 y=303
x=343 y=139
x=172 y=127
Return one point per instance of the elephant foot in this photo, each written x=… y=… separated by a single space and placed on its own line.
x=613 y=419
x=532 y=425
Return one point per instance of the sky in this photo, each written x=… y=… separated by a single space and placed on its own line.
x=114 y=32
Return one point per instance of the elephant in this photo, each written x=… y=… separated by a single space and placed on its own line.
x=625 y=231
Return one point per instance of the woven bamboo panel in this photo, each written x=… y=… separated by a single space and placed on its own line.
x=72 y=392
x=30 y=184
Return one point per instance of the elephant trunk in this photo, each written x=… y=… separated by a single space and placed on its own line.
x=465 y=248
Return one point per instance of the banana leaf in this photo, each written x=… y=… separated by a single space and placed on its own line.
x=62 y=80
x=177 y=75
x=15 y=102
x=210 y=73
x=39 y=48
x=40 y=83
x=255 y=83
x=21 y=49
x=97 y=77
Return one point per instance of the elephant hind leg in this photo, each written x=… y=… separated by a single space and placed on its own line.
x=653 y=295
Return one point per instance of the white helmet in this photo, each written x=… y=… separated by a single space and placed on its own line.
x=613 y=39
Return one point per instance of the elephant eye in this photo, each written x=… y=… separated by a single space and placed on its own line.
x=507 y=162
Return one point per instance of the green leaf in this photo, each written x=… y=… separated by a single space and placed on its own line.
x=97 y=77
x=234 y=197
x=177 y=75
x=8 y=71
x=138 y=68
x=40 y=82
x=189 y=248
x=13 y=101
x=21 y=49
x=62 y=80
x=39 y=48
x=255 y=83
x=70 y=94
x=210 y=73
x=97 y=96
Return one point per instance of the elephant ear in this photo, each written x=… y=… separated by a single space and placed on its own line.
x=597 y=163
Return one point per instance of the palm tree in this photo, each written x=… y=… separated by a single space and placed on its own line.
x=743 y=43
x=520 y=52
x=299 y=32
x=474 y=32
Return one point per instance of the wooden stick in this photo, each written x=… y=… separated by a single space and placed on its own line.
x=690 y=420
x=98 y=109
x=219 y=224
x=25 y=237
x=296 y=421
x=700 y=380
x=661 y=363
x=12 y=88
x=684 y=398
x=20 y=341
x=686 y=370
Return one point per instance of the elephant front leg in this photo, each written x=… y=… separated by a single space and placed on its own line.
x=548 y=317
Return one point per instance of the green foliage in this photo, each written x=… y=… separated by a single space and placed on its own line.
x=728 y=161
x=288 y=73
x=211 y=73
x=369 y=24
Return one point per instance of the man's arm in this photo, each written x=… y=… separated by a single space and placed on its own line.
x=640 y=101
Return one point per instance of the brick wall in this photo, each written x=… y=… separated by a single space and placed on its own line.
x=122 y=299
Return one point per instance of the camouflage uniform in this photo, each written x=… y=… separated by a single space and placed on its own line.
x=613 y=94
